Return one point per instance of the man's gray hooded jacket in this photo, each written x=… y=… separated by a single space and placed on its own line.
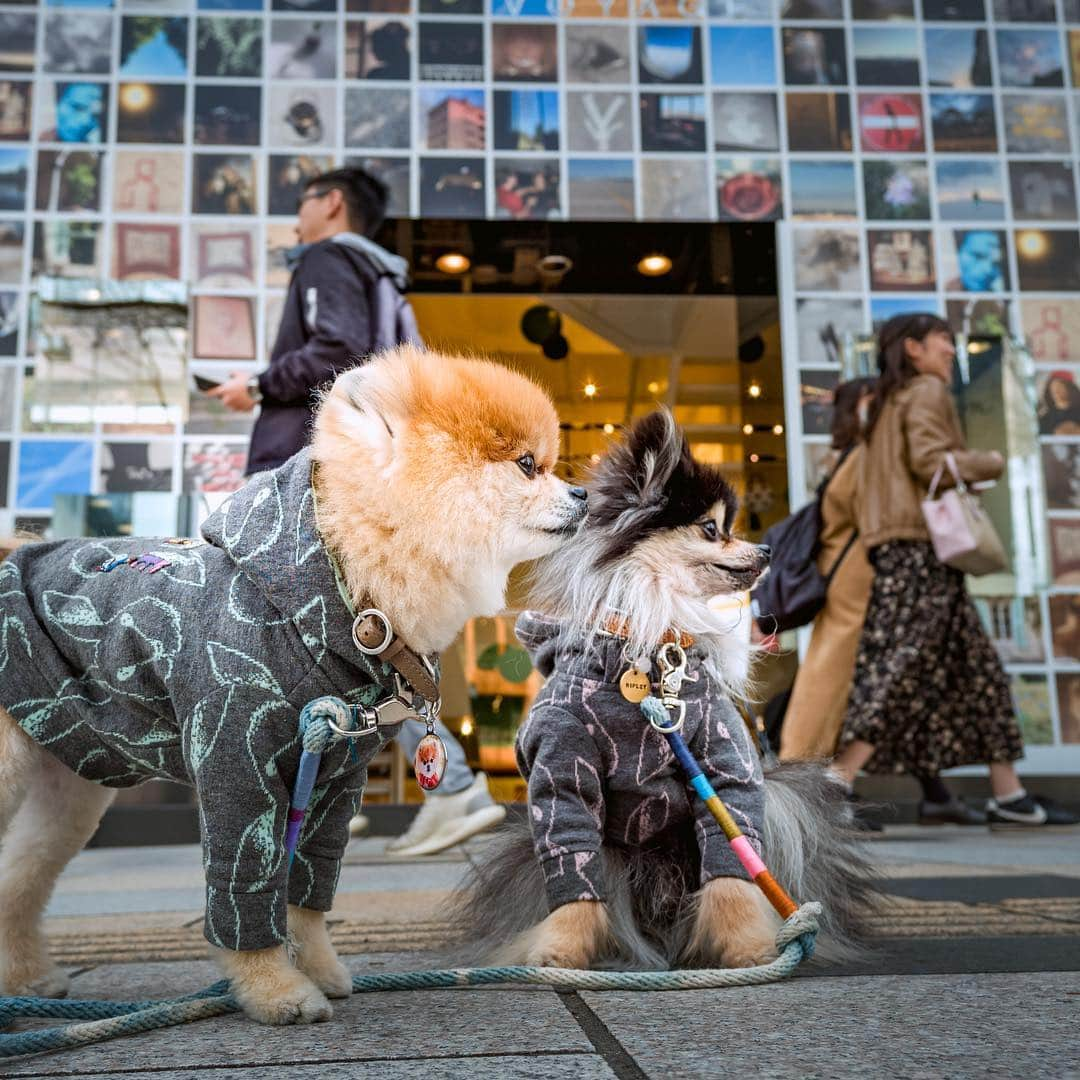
x=198 y=672
x=598 y=773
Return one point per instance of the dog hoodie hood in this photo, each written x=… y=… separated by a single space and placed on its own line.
x=197 y=672
x=599 y=775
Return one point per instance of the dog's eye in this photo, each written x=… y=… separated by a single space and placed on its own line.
x=709 y=529
x=527 y=464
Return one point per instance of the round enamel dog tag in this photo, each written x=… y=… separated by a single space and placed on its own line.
x=430 y=761
x=634 y=685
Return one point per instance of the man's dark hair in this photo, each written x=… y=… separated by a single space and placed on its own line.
x=365 y=196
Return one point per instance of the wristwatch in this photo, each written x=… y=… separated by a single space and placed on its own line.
x=254 y=390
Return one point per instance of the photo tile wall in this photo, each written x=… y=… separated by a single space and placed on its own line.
x=924 y=153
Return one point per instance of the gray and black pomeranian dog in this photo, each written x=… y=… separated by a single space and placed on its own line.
x=619 y=863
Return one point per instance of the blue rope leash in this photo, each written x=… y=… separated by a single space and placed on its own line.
x=110 y=1019
x=101 y=1020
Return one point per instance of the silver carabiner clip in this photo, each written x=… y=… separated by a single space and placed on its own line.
x=672 y=661
x=672 y=671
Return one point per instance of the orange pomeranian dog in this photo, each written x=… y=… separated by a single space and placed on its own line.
x=428 y=479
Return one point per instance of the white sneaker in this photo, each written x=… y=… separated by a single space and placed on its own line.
x=359 y=825
x=446 y=820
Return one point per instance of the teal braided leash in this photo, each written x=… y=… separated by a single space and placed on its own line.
x=101 y=1020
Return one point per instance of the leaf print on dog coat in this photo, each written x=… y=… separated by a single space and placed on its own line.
x=198 y=672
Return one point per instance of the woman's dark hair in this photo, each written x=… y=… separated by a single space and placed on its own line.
x=846 y=425
x=1048 y=406
x=894 y=364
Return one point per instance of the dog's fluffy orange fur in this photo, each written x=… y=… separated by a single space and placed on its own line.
x=446 y=431
x=425 y=498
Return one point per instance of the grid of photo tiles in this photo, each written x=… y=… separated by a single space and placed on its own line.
x=930 y=165
x=923 y=152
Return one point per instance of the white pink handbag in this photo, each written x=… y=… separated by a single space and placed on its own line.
x=960 y=528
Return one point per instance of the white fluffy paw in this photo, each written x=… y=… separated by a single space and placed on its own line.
x=52 y=983
x=297 y=1001
x=330 y=975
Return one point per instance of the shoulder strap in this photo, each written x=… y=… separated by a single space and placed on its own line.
x=840 y=558
x=834 y=470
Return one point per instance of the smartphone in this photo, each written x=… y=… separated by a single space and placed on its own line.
x=203 y=383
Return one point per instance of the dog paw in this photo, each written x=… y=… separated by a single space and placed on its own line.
x=52 y=983
x=748 y=953
x=331 y=976
x=556 y=955
x=302 y=1002
x=572 y=936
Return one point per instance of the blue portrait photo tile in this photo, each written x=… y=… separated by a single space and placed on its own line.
x=49 y=467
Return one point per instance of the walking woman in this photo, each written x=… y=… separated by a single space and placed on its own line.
x=815 y=712
x=929 y=692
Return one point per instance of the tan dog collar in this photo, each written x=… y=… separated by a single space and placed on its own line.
x=616 y=626
x=374 y=636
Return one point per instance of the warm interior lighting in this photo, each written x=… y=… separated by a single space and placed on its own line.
x=778 y=429
x=589 y=389
x=754 y=390
x=1032 y=244
x=748 y=429
x=595 y=459
x=453 y=262
x=135 y=97
x=467 y=726
x=609 y=429
x=754 y=458
x=976 y=347
x=653 y=387
x=654 y=265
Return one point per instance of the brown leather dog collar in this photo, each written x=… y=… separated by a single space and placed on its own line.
x=374 y=636
x=615 y=625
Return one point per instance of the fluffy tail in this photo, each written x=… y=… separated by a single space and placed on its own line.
x=812 y=850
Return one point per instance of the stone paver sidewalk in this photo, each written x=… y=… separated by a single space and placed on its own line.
x=974 y=974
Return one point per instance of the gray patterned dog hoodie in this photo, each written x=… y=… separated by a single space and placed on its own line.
x=197 y=672
x=600 y=775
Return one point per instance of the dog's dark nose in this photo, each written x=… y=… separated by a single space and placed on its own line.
x=579 y=493
x=765 y=550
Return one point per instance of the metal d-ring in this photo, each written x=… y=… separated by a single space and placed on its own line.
x=387 y=629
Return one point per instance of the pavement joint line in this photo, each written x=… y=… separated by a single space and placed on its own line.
x=614 y=1054
x=114 y=1070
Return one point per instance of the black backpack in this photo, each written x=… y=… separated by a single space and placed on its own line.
x=793 y=591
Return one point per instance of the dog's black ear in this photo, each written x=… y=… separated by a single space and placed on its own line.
x=634 y=474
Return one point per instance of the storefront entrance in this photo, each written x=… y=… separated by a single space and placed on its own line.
x=610 y=342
